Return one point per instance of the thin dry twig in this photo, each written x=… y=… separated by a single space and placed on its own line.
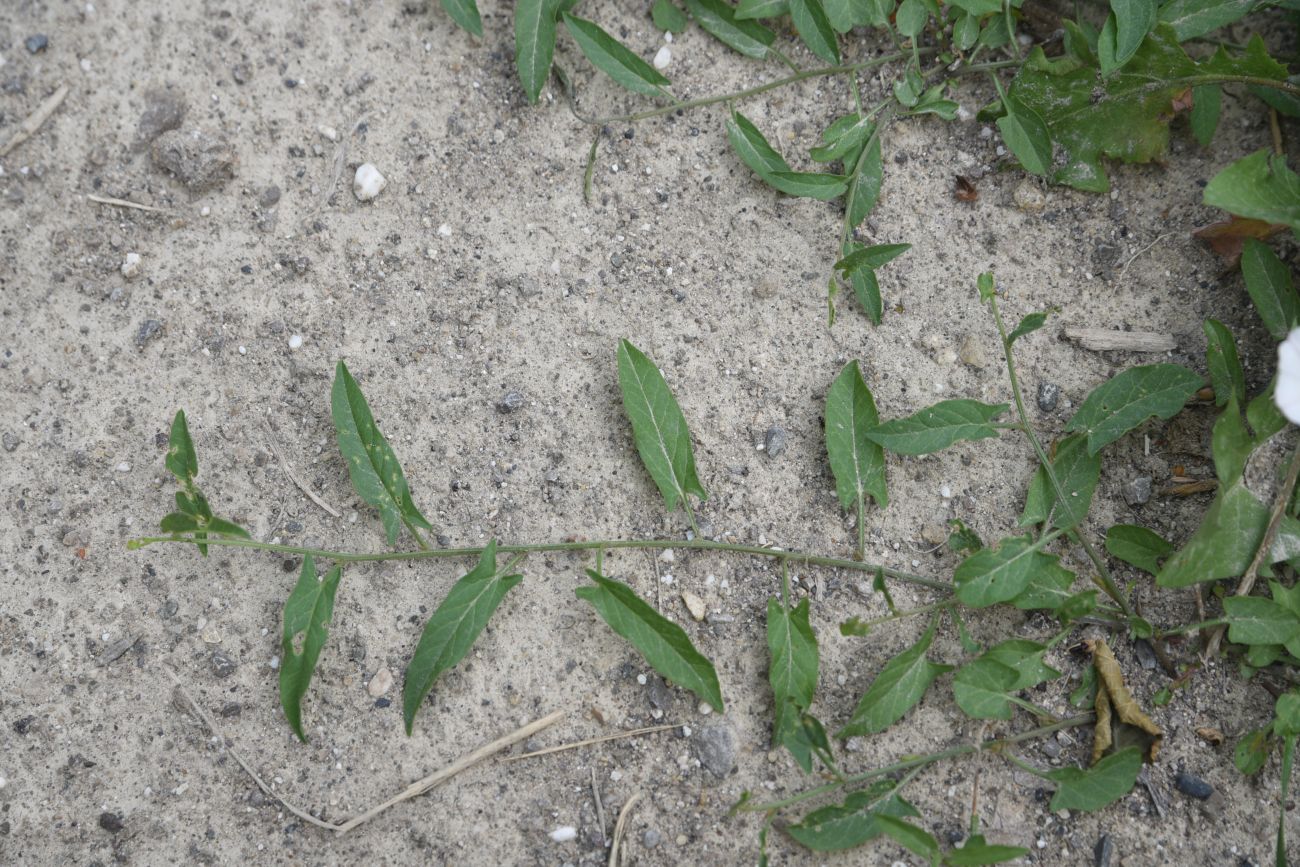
x=1103 y=339
x=620 y=828
x=124 y=203
x=34 y=121
x=1124 y=270
x=648 y=730
x=600 y=808
x=288 y=471
x=419 y=787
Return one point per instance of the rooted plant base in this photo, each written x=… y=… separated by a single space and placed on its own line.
x=527 y=291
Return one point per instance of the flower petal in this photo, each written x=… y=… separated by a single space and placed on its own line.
x=1287 y=392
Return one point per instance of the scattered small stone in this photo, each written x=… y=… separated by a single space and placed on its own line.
x=381 y=683
x=667 y=556
x=774 y=441
x=115 y=650
x=200 y=159
x=1051 y=748
x=270 y=196
x=651 y=838
x=37 y=42
x=1192 y=786
x=328 y=132
x=368 y=182
x=695 y=605
x=169 y=609
x=663 y=57
x=150 y=329
x=211 y=635
x=971 y=353
x=766 y=288
x=934 y=534
x=382 y=703
x=131 y=266
x=564 y=834
x=511 y=401
x=10 y=441
x=164 y=110
x=231 y=709
x=1103 y=852
x=111 y=822
x=1137 y=491
x=681 y=840
x=716 y=748
x=1145 y=653
x=1048 y=394
x=1028 y=197
x=295 y=341
x=222 y=665
x=24 y=724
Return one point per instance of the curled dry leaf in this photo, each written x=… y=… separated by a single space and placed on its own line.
x=1114 y=700
x=1211 y=736
x=964 y=189
x=1228 y=237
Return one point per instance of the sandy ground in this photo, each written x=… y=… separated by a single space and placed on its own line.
x=478 y=271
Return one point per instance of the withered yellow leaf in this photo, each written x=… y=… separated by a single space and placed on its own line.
x=1115 y=704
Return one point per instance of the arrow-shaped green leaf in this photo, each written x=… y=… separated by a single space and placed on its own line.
x=307 y=613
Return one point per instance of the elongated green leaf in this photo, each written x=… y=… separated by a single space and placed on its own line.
x=1226 y=375
x=1255 y=620
x=993 y=575
x=222 y=527
x=857 y=463
x=534 y=43
x=1122 y=35
x=1137 y=546
x=181 y=459
x=1269 y=283
x=875 y=256
x=843 y=137
x=1225 y=542
x=307 y=614
x=658 y=426
x=809 y=185
x=719 y=20
x=1125 y=116
x=847 y=825
x=1027 y=136
x=464 y=13
x=180 y=522
x=910 y=837
x=1264 y=416
x=1207 y=103
x=376 y=474
x=1260 y=186
x=453 y=628
x=1049 y=588
x=937 y=427
x=1105 y=782
x=668 y=17
x=761 y=9
x=1028 y=325
x=814 y=28
x=898 y=687
x=1125 y=401
x=1251 y=751
x=1078 y=473
x=753 y=148
x=977 y=851
x=911 y=18
x=983 y=685
x=613 y=58
x=792 y=649
x=866 y=286
x=864 y=187
x=1194 y=18
x=664 y=644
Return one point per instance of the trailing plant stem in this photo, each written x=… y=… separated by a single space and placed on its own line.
x=992 y=745
x=696 y=544
x=1103 y=579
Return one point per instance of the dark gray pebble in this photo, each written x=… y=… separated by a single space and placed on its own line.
x=10 y=441
x=1103 y=852
x=37 y=43
x=231 y=709
x=149 y=330
x=1048 y=394
x=222 y=665
x=716 y=748
x=1192 y=786
x=1137 y=491
x=659 y=694
x=774 y=441
x=382 y=702
x=110 y=822
x=510 y=402
x=163 y=110
x=24 y=724
x=270 y=196
x=651 y=838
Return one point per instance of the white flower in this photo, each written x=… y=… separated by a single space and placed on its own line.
x=1287 y=393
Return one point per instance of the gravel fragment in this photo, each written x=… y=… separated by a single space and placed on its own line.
x=24 y=724
x=115 y=650
x=511 y=401
x=564 y=834
x=651 y=838
x=37 y=42
x=971 y=353
x=199 y=158
x=150 y=329
x=164 y=110
x=774 y=441
x=270 y=196
x=1048 y=394
x=1028 y=197
x=381 y=683
x=1137 y=491
x=695 y=605
x=10 y=441
x=110 y=822
x=1192 y=786
x=658 y=692
x=223 y=665
x=716 y=748
x=368 y=182
x=1103 y=852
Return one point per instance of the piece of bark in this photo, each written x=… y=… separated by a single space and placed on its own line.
x=1101 y=339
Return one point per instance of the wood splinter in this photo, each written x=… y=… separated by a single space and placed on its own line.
x=1102 y=339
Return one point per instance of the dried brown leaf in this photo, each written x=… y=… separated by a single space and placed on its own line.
x=1211 y=736
x=1115 y=700
x=1228 y=237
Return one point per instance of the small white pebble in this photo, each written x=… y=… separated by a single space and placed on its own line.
x=663 y=57
x=204 y=211
x=295 y=342
x=946 y=492
x=131 y=266
x=368 y=182
x=328 y=132
x=640 y=678
x=615 y=776
x=243 y=350
x=668 y=36
x=444 y=230
x=85 y=64
x=705 y=709
x=564 y=834
x=124 y=467
x=686 y=731
x=667 y=556
x=275 y=663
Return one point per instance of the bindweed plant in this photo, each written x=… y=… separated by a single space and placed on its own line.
x=1241 y=537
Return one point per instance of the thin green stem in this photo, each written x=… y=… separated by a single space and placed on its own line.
x=993 y=744
x=784 y=58
x=1024 y=765
x=1042 y=714
x=419 y=540
x=785 y=584
x=1103 y=579
x=862 y=526
x=903 y=615
x=690 y=517
x=696 y=544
